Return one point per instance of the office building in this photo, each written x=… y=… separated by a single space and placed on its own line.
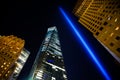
x=102 y=18
x=20 y=63
x=80 y=7
x=49 y=64
x=10 y=48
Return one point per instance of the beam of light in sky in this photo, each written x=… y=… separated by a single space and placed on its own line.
x=85 y=45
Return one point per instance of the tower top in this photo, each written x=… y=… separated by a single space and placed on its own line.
x=52 y=28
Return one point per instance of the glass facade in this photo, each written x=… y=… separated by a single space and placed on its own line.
x=20 y=63
x=49 y=62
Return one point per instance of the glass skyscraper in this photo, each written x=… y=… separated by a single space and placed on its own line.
x=49 y=64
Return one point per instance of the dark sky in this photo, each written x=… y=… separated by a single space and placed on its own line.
x=30 y=19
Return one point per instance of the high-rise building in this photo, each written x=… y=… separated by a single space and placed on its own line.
x=10 y=48
x=49 y=64
x=80 y=7
x=102 y=18
x=20 y=63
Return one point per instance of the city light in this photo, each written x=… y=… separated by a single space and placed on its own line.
x=85 y=45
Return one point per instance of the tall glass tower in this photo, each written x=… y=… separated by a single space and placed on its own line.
x=49 y=63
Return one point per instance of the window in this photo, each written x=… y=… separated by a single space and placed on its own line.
x=109 y=7
x=8 y=71
x=116 y=20
x=118 y=6
x=118 y=38
x=103 y=10
x=101 y=28
x=114 y=12
x=5 y=68
x=105 y=23
x=116 y=28
x=111 y=34
x=6 y=74
x=110 y=25
x=7 y=65
x=118 y=49
x=2 y=66
x=97 y=33
x=105 y=39
x=4 y=63
x=109 y=18
x=100 y=18
x=111 y=44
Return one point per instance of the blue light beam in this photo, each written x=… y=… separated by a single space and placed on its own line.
x=101 y=68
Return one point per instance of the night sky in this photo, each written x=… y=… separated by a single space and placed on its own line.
x=29 y=20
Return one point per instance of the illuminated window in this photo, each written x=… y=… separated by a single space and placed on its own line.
x=109 y=18
x=4 y=63
x=8 y=71
x=64 y=76
x=11 y=47
x=59 y=57
x=5 y=68
x=53 y=78
x=116 y=28
x=2 y=66
x=7 y=65
x=6 y=74
x=17 y=48
x=111 y=34
x=116 y=20
x=14 y=52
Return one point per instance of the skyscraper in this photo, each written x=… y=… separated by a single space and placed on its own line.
x=102 y=18
x=10 y=48
x=49 y=64
x=20 y=63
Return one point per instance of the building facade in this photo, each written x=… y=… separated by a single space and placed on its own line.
x=10 y=48
x=102 y=18
x=20 y=63
x=49 y=64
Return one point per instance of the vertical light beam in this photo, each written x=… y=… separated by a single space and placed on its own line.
x=78 y=34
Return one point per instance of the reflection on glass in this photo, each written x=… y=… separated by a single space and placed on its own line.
x=50 y=64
